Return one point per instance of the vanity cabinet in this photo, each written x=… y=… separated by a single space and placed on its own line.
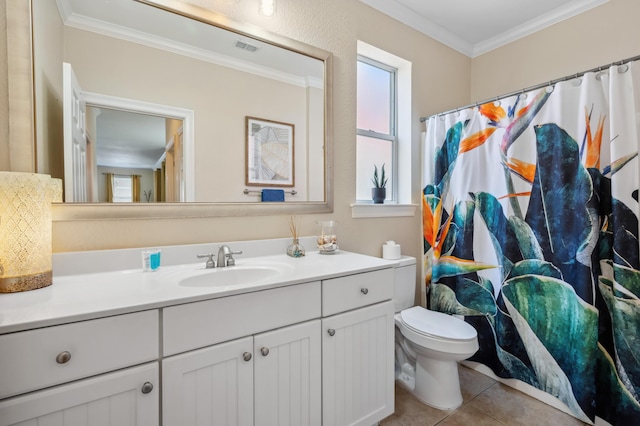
x=287 y=380
x=269 y=374
x=271 y=378
x=209 y=386
x=64 y=369
x=125 y=398
x=357 y=349
x=311 y=351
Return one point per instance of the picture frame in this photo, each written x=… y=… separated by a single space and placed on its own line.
x=269 y=153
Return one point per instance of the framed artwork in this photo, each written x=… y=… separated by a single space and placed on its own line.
x=269 y=153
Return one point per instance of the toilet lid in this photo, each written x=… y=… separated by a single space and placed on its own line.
x=437 y=324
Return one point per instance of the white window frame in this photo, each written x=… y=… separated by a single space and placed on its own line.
x=392 y=136
x=118 y=178
x=405 y=182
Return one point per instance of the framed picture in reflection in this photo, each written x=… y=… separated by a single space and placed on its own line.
x=269 y=153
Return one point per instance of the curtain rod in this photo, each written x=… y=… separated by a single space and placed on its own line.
x=537 y=86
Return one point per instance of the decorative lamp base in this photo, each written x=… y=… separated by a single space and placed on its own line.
x=25 y=283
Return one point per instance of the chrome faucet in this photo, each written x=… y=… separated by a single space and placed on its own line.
x=225 y=256
x=210 y=262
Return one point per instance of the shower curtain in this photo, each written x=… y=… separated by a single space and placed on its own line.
x=530 y=221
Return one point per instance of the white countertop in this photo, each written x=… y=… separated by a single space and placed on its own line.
x=94 y=295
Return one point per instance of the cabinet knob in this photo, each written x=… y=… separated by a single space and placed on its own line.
x=264 y=351
x=331 y=331
x=246 y=356
x=63 y=357
x=364 y=290
x=147 y=387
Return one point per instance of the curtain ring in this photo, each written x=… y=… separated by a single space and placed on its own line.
x=577 y=81
x=523 y=95
x=623 y=68
x=497 y=102
x=600 y=73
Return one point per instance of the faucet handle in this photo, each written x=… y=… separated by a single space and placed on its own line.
x=230 y=260
x=210 y=262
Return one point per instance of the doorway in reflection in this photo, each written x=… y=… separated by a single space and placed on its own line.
x=136 y=157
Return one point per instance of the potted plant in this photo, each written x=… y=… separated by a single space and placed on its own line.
x=379 y=190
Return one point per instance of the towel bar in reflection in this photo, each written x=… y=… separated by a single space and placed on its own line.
x=259 y=191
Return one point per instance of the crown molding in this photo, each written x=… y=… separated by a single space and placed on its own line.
x=420 y=23
x=410 y=18
x=127 y=34
x=544 y=21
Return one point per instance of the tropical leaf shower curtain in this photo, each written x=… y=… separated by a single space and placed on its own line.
x=530 y=221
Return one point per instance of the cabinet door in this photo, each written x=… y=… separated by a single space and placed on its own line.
x=126 y=398
x=357 y=366
x=210 y=386
x=287 y=377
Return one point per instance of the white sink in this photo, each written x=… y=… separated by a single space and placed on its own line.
x=234 y=275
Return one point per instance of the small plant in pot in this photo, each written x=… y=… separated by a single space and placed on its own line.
x=379 y=190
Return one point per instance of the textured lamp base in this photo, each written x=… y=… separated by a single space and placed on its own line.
x=25 y=283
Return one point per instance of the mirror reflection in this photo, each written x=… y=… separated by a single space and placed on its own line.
x=152 y=106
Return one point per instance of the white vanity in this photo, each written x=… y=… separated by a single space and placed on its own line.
x=274 y=341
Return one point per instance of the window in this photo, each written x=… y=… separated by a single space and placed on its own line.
x=122 y=189
x=384 y=133
x=377 y=123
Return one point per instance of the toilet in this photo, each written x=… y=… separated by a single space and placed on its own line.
x=429 y=345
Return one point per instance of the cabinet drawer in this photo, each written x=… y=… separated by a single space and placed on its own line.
x=200 y=324
x=33 y=359
x=113 y=399
x=353 y=291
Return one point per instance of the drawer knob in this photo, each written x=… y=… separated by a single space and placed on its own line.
x=147 y=387
x=364 y=290
x=63 y=357
x=246 y=356
x=331 y=331
x=264 y=351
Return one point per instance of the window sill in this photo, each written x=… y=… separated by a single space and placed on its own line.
x=360 y=211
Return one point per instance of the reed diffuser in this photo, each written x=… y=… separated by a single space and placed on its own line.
x=295 y=249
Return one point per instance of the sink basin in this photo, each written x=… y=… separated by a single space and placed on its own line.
x=232 y=275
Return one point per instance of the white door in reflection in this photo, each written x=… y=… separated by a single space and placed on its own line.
x=75 y=140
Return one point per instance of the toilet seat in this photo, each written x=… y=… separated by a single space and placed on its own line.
x=437 y=325
x=437 y=332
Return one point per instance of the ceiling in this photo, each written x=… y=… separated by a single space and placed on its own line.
x=129 y=140
x=475 y=27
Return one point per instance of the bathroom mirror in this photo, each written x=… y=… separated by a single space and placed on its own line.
x=200 y=73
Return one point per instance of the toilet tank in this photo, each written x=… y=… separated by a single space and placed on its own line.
x=404 y=289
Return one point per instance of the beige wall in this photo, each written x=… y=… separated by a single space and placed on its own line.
x=17 y=151
x=602 y=35
x=4 y=105
x=442 y=79
x=334 y=26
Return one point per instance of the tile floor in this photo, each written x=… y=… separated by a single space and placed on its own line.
x=486 y=403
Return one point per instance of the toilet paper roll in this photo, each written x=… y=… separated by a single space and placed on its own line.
x=391 y=252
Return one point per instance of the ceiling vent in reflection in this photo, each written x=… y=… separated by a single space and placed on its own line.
x=246 y=46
